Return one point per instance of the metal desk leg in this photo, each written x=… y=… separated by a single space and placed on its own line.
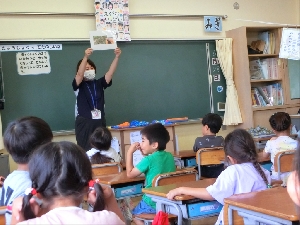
x=160 y=206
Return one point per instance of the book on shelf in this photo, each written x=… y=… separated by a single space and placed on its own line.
x=264 y=68
x=269 y=95
x=269 y=39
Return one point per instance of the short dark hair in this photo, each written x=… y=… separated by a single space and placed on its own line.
x=101 y=138
x=24 y=135
x=89 y=62
x=280 y=121
x=157 y=133
x=60 y=169
x=213 y=121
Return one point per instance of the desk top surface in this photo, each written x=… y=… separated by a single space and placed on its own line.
x=184 y=154
x=118 y=178
x=162 y=191
x=274 y=202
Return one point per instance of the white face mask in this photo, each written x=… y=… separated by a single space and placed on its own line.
x=89 y=74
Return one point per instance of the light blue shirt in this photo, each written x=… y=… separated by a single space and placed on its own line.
x=14 y=186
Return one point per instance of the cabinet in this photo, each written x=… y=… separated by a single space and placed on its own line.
x=254 y=116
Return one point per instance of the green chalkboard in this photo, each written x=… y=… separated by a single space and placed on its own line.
x=294 y=75
x=154 y=80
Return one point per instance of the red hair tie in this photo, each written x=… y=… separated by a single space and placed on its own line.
x=30 y=191
x=92 y=183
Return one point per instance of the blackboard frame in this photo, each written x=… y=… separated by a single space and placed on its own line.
x=155 y=80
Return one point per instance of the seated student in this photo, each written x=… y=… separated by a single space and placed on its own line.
x=154 y=140
x=244 y=174
x=21 y=138
x=281 y=125
x=211 y=125
x=101 y=151
x=61 y=175
x=293 y=183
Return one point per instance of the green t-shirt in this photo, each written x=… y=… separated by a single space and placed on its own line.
x=154 y=164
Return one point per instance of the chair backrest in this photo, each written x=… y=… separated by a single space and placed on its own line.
x=174 y=177
x=106 y=168
x=2 y=214
x=283 y=162
x=209 y=156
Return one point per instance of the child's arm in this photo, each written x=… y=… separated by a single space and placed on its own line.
x=130 y=169
x=201 y=193
x=263 y=156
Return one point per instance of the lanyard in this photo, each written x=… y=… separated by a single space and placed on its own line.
x=93 y=100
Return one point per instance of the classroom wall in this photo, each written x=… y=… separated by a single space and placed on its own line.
x=78 y=27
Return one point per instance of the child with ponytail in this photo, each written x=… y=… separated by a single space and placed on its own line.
x=244 y=174
x=61 y=176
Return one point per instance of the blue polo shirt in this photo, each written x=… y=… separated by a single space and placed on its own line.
x=90 y=95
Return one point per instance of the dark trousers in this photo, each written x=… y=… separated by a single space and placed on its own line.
x=84 y=128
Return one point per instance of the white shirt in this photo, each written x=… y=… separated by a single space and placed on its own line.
x=74 y=215
x=237 y=179
x=280 y=144
x=111 y=153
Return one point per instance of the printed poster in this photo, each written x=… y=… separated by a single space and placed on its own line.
x=290 y=44
x=113 y=16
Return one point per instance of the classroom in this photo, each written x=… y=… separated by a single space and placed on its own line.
x=152 y=24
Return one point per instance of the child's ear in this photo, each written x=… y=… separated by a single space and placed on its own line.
x=154 y=145
x=232 y=160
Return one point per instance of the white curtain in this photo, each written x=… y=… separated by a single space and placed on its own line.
x=232 y=114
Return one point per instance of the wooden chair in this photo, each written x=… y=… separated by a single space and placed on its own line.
x=2 y=214
x=106 y=168
x=237 y=220
x=209 y=156
x=283 y=162
x=165 y=179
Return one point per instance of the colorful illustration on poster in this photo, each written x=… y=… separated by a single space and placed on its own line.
x=113 y=16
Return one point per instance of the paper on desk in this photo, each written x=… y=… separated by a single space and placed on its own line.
x=102 y=40
x=115 y=144
x=137 y=155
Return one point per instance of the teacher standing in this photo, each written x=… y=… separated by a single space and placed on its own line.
x=89 y=108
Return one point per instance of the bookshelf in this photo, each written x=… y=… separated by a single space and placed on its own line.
x=259 y=115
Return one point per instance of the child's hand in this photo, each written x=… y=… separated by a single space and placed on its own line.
x=17 y=214
x=1 y=181
x=118 y=52
x=134 y=146
x=173 y=193
x=88 y=52
x=107 y=191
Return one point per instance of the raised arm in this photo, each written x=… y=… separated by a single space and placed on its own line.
x=131 y=171
x=109 y=74
x=82 y=67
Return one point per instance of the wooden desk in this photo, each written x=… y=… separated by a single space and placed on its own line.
x=122 y=185
x=271 y=206
x=182 y=203
x=185 y=158
x=2 y=214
